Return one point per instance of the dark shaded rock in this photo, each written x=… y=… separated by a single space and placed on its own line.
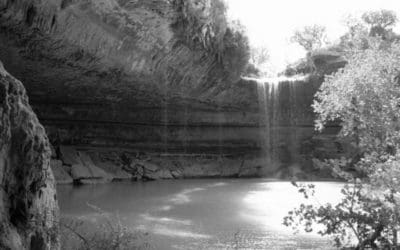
x=137 y=74
x=254 y=167
x=328 y=61
x=193 y=171
x=28 y=206
x=148 y=166
x=79 y=171
x=69 y=155
x=176 y=174
x=53 y=152
x=60 y=172
x=165 y=174
x=87 y=172
x=150 y=171
x=231 y=167
x=111 y=168
x=146 y=76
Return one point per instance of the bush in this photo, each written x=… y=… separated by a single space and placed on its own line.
x=205 y=26
x=78 y=234
x=365 y=97
x=356 y=217
x=310 y=37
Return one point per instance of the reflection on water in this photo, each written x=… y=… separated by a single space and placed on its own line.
x=202 y=214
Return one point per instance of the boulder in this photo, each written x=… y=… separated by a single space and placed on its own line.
x=69 y=155
x=145 y=170
x=193 y=171
x=53 y=152
x=327 y=61
x=165 y=174
x=254 y=167
x=230 y=167
x=80 y=171
x=87 y=172
x=177 y=174
x=60 y=172
x=111 y=168
x=148 y=166
x=139 y=173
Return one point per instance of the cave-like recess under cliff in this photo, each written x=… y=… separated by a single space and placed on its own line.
x=126 y=74
x=110 y=72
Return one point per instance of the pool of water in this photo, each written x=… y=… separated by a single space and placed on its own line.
x=202 y=214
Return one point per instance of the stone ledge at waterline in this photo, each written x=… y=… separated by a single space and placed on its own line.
x=72 y=164
x=28 y=203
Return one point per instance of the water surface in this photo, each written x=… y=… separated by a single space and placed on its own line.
x=202 y=214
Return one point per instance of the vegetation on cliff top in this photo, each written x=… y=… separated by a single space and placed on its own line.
x=359 y=29
x=206 y=26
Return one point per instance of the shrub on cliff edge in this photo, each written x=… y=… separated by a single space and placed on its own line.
x=205 y=26
x=365 y=97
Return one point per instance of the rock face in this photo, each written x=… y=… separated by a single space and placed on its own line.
x=153 y=76
x=28 y=206
x=327 y=61
x=144 y=74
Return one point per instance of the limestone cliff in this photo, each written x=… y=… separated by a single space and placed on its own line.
x=151 y=82
x=28 y=206
x=145 y=73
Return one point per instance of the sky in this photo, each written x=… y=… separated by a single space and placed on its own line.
x=271 y=23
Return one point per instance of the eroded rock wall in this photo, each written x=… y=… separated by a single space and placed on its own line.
x=154 y=74
x=154 y=77
x=28 y=202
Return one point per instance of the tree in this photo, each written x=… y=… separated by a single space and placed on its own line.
x=310 y=37
x=259 y=55
x=379 y=21
x=235 y=54
x=365 y=97
x=380 y=18
x=259 y=63
x=357 y=34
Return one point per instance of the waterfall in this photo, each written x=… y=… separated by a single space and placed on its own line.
x=165 y=120
x=185 y=129
x=283 y=102
x=264 y=116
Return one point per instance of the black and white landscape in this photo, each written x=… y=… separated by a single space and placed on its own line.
x=199 y=124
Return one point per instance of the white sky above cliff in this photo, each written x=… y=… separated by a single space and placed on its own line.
x=271 y=23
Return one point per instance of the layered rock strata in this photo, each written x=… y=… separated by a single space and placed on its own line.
x=121 y=73
x=159 y=78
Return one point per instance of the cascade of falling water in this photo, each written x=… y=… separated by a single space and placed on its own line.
x=165 y=120
x=273 y=122
x=264 y=116
x=220 y=121
x=272 y=106
x=185 y=129
x=293 y=117
x=282 y=106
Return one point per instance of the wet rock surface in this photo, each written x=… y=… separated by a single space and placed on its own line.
x=114 y=165
x=28 y=201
